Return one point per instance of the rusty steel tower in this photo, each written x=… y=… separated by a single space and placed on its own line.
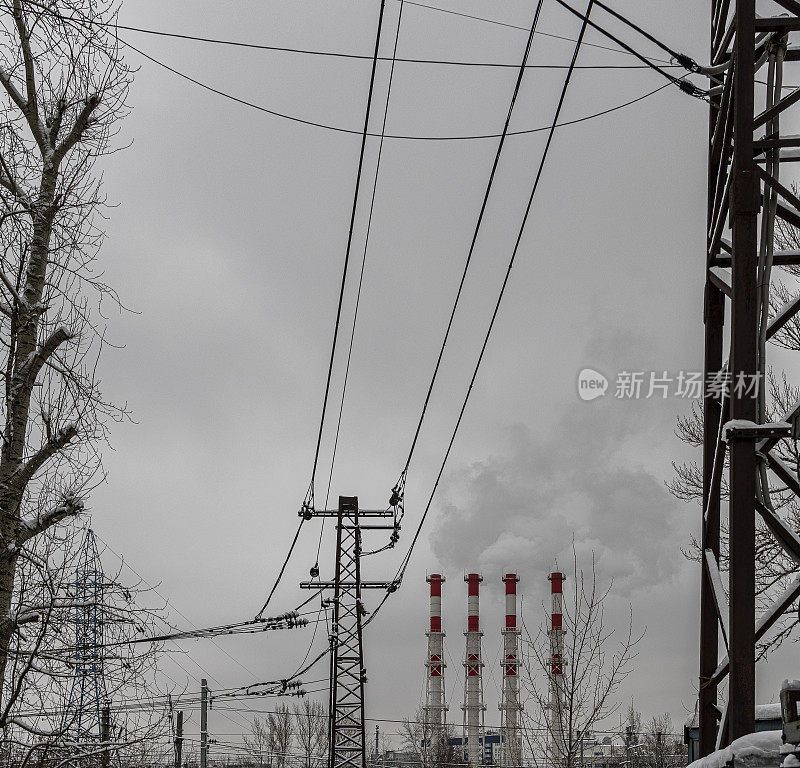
x=750 y=43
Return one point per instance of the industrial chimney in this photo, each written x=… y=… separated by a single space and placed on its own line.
x=556 y=666
x=435 y=705
x=473 y=675
x=510 y=708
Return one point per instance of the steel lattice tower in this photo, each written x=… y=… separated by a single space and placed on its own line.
x=346 y=735
x=83 y=715
x=745 y=196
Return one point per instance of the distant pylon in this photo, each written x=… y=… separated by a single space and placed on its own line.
x=435 y=704
x=510 y=707
x=84 y=712
x=556 y=667
x=473 y=675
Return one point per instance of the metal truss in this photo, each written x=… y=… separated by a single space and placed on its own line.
x=745 y=196
x=346 y=734
x=84 y=712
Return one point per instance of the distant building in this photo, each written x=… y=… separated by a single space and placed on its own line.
x=490 y=743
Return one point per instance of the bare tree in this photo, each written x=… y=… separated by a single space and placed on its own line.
x=596 y=660
x=257 y=741
x=279 y=734
x=660 y=746
x=311 y=722
x=430 y=744
x=63 y=87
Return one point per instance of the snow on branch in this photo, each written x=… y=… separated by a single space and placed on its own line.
x=35 y=524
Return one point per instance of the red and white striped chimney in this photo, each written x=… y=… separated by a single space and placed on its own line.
x=435 y=705
x=510 y=708
x=556 y=663
x=473 y=674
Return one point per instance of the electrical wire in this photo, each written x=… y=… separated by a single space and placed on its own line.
x=404 y=563
x=308 y=503
x=339 y=129
x=365 y=57
x=687 y=62
x=524 y=29
x=361 y=273
x=684 y=85
x=400 y=485
x=353 y=56
x=351 y=230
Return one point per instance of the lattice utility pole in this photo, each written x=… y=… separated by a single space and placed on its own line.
x=346 y=735
x=744 y=198
x=84 y=712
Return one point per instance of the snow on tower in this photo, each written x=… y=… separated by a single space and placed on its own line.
x=473 y=676
x=435 y=705
x=510 y=708
x=556 y=665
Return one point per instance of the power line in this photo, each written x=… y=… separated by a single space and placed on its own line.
x=404 y=563
x=521 y=73
x=363 y=266
x=684 y=85
x=350 y=232
x=308 y=502
x=524 y=29
x=175 y=642
x=405 y=137
x=366 y=57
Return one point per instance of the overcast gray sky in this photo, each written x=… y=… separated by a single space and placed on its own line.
x=228 y=244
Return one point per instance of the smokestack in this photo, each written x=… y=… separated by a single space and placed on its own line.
x=556 y=666
x=510 y=707
x=473 y=675
x=435 y=705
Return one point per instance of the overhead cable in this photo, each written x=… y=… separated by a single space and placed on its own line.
x=515 y=26
x=363 y=57
x=361 y=275
x=351 y=131
x=404 y=563
x=397 y=491
x=310 y=496
x=307 y=507
x=684 y=85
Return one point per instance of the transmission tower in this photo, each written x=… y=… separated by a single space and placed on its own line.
x=346 y=735
x=84 y=712
x=745 y=196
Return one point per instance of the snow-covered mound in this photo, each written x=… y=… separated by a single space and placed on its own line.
x=756 y=750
